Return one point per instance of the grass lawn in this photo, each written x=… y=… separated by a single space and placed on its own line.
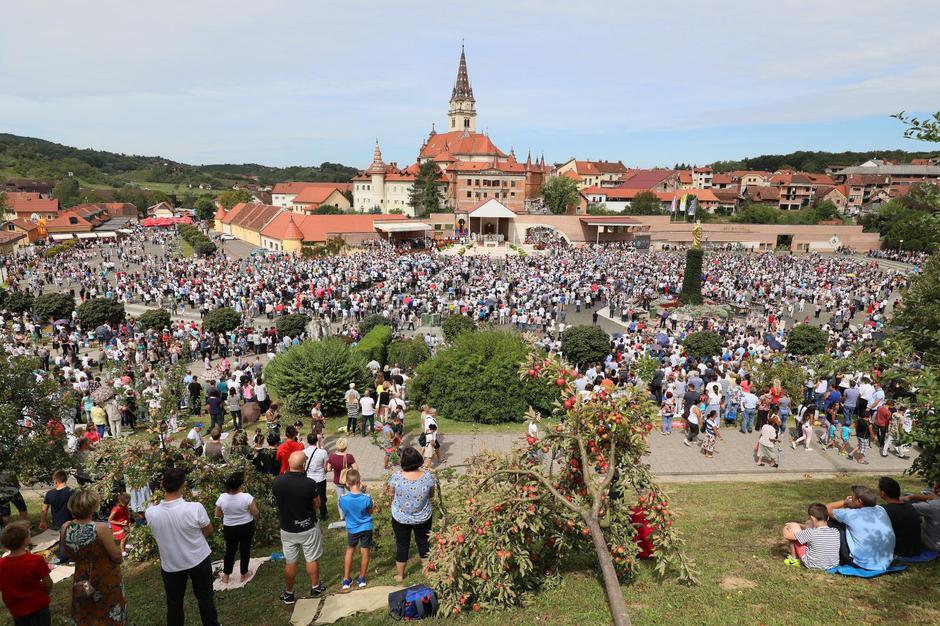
x=732 y=531
x=186 y=249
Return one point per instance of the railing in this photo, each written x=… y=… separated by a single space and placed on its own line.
x=490 y=240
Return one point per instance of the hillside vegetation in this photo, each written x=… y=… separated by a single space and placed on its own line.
x=808 y=161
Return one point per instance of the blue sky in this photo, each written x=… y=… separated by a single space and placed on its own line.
x=301 y=82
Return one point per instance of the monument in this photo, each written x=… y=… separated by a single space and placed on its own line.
x=692 y=279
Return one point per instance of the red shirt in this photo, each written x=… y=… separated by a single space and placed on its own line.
x=883 y=416
x=285 y=450
x=21 y=583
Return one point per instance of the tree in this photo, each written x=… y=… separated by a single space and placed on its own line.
x=317 y=371
x=97 y=311
x=520 y=520
x=374 y=346
x=18 y=302
x=205 y=248
x=926 y=129
x=3 y=204
x=756 y=214
x=221 y=320
x=292 y=325
x=154 y=319
x=474 y=379
x=327 y=209
x=927 y=424
x=702 y=344
x=584 y=345
x=230 y=198
x=645 y=203
x=66 y=191
x=692 y=278
x=427 y=189
x=559 y=193
x=205 y=208
x=804 y=340
x=919 y=318
x=408 y=353
x=53 y=306
x=455 y=325
x=371 y=321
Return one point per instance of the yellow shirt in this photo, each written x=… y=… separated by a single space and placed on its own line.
x=98 y=416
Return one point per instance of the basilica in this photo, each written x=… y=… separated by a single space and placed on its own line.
x=473 y=170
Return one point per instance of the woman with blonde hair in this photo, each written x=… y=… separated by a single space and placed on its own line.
x=97 y=587
x=338 y=463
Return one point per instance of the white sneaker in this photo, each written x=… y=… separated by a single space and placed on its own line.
x=793 y=445
x=809 y=449
x=686 y=442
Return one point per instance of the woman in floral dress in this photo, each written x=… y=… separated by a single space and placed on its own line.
x=97 y=585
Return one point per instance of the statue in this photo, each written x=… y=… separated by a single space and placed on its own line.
x=697 y=235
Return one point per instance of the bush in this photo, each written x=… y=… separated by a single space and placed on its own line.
x=53 y=306
x=59 y=248
x=475 y=379
x=375 y=344
x=154 y=319
x=791 y=377
x=292 y=325
x=409 y=353
x=583 y=345
x=205 y=248
x=804 y=340
x=18 y=302
x=221 y=320
x=194 y=237
x=97 y=311
x=370 y=322
x=692 y=279
x=703 y=344
x=317 y=371
x=456 y=325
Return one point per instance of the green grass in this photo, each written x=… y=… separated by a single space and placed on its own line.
x=186 y=249
x=732 y=531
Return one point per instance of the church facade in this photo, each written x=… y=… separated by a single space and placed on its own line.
x=473 y=170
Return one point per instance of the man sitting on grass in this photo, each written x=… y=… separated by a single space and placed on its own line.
x=869 y=537
x=814 y=544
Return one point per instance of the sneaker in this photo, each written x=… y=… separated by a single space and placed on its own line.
x=809 y=449
x=287 y=597
x=318 y=591
x=686 y=442
x=791 y=561
x=793 y=445
x=361 y=582
x=347 y=583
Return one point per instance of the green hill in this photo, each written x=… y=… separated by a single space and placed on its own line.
x=808 y=161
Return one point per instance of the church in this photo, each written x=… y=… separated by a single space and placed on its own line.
x=473 y=169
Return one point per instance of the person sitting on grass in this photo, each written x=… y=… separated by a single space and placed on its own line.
x=869 y=536
x=357 y=508
x=904 y=519
x=814 y=544
x=24 y=578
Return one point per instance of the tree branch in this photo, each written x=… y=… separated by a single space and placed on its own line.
x=539 y=478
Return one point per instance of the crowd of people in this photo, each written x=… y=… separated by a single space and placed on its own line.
x=119 y=372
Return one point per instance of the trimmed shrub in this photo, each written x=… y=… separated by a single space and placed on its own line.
x=194 y=237
x=375 y=344
x=456 y=325
x=476 y=379
x=408 y=353
x=370 y=322
x=18 y=301
x=703 y=344
x=97 y=311
x=804 y=340
x=221 y=320
x=317 y=371
x=53 y=306
x=583 y=345
x=154 y=319
x=692 y=279
x=292 y=325
x=59 y=248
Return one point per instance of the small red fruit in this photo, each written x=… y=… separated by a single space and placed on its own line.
x=476 y=608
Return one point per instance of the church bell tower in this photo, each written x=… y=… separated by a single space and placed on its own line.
x=462 y=114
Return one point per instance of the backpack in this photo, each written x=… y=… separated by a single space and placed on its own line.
x=415 y=602
x=423 y=440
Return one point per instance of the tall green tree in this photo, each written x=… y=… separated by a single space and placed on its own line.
x=205 y=208
x=427 y=191
x=230 y=198
x=559 y=193
x=645 y=203
x=66 y=191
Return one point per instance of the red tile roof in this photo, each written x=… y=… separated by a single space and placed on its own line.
x=316 y=228
x=32 y=203
x=685 y=176
x=297 y=187
x=459 y=143
x=573 y=175
x=251 y=216
x=646 y=179
x=315 y=195
x=722 y=179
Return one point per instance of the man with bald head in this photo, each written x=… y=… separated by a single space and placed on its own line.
x=297 y=503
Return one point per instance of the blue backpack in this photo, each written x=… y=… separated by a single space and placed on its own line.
x=416 y=602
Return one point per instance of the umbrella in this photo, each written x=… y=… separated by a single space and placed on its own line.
x=61 y=322
x=103 y=393
x=662 y=339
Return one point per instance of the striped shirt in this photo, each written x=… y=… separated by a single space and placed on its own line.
x=822 y=547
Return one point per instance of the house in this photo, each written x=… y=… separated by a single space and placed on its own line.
x=653 y=180
x=861 y=187
x=723 y=181
x=161 y=209
x=702 y=177
x=26 y=204
x=685 y=179
x=246 y=220
x=42 y=187
x=729 y=198
x=11 y=241
x=836 y=194
x=620 y=198
x=289 y=231
x=748 y=178
x=33 y=231
x=78 y=220
x=756 y=194
x=313 y=197
x=284 y=193
x=798 y=189
x=114 y=209
x=592 y=173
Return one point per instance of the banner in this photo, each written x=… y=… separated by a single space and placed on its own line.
x=693 y=206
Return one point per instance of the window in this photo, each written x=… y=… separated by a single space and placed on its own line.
x=512 y=194
x=469 y=194
x=469 y=181
x=484 y=194
x=513 y=184
x=437 y=227
x=453 y=122
x=477 y=183
x=448 y=227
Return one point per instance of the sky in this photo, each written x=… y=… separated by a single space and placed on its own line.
x=301 y=82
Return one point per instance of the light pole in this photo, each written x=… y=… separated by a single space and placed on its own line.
x=900 y=245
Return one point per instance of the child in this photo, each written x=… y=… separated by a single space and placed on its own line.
x=357 y=508
x=845 y=433
x=814 y=544
x=864 y=433
x=120 y=520
x=24 y=578
x=829 y=439
x=807 y=431
x=430 y=446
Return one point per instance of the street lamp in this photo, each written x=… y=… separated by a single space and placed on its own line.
x=901 y=244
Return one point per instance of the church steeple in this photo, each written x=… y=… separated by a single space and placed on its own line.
x=462 y=113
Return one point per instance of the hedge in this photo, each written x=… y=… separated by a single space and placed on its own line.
x=97 y=311
x=18 y=301
x=375 y=344
x=221 y=320
x=583 y=345
x=476 y=379
x=371 y=321
x=154 y=319
x=291 y=325
x=703 y=344
x=194 y=237
x=317 y=371
x=455 y=325
x=59 y=248
x=408 y=353
x=53 y=306
x=804 y=340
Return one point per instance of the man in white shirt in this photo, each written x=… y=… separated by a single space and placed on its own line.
x=180 y=528
x=316 y=469
x=367 y=405
x=195 y=436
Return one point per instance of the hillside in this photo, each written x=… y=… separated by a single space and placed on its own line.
x=28 y=157
x=808 y=161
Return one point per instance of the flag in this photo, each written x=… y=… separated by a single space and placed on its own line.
x=675 y=198
x=682 y=202
x=693 y=206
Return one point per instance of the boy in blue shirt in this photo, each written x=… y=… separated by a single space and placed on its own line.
x=357 y=507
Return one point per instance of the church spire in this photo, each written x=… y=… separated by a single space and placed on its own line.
x=462 y=89
x=378 y=166
x=462 y=113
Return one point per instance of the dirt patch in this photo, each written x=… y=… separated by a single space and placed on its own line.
x=733 y=583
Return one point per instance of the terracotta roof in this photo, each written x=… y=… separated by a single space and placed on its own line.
x=867 y=179
x=729 y=194
x=314 y=195
x=252 y=216
x=317 y=228
x=702 y=170
x=739 y=174
x=32 y=203
x=646 y=179
x=292 y=232
x=573 y=175
x=9 y=236
x=685 y=176
x=722 y=179
x=509 y=167
x=26 y=225
x=298 y=186
x=459 y=143
x=12 y=196
x=596 y=168
x=220 y=213
x=758 y=193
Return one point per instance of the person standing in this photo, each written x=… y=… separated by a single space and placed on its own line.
x=56 y=502
x=180 y=528
x=352 y=409
x=195 y=437
x=238 y=512
x=286 y=449
x=338 y=463
x=297 y=504
x=97 y=587
x=99 y=418
x=317 y=456
x=411 y=490
x=367 y=407
x=25 y=582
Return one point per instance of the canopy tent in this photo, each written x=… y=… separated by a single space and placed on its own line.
x=165 y=221
x=492 y=208
x=60 y=236
x=106 y=234
x=86 y=235
x=401 y=227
